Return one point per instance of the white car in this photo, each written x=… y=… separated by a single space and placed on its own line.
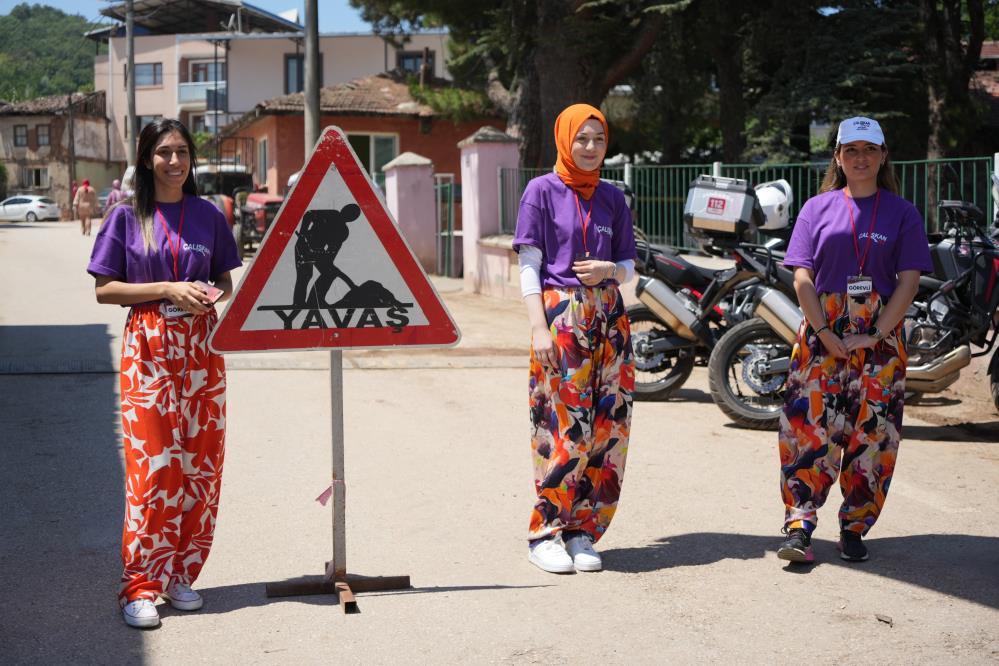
x=28 y=207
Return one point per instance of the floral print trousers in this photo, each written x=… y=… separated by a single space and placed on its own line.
x=581 y=412
x=173 y=426
x=841 y=419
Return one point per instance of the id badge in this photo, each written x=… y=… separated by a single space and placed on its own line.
x=171 y=311
x=859 y=286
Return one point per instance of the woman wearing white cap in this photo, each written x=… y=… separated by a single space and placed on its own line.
x=857 y=251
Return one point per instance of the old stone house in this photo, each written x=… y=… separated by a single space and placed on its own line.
x=49 y=142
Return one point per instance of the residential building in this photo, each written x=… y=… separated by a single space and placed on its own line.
x=187 y=69
x=379 y=115
x=49 y=142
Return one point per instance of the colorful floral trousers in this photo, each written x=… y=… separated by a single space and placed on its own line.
x=841 y=418
x=581 y=412
x=173 y=426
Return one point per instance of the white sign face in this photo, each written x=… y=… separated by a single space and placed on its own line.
x=329 y=259
x=333 y=271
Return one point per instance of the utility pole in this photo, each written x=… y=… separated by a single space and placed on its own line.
x=132 y=128
x=311 y=73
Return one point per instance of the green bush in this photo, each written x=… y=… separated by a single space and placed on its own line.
x=3 y=182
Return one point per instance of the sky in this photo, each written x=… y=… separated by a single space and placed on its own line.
x=334 y=15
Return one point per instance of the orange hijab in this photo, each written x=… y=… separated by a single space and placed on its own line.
x=566 y=126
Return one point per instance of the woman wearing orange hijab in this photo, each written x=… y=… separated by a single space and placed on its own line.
x=576 y=245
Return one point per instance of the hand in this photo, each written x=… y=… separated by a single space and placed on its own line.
x=188 y=297
x=593 y=271
x=861 y=341
x=834 y=345
x=544 y=347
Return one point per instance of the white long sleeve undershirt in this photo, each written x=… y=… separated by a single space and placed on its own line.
x=529 y=259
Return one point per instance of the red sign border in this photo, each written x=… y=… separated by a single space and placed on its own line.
x=332 y=150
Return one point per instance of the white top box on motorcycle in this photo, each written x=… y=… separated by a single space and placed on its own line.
x=718 y=205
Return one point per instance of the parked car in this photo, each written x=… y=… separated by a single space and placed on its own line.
x=102 y=198
x=28 y=207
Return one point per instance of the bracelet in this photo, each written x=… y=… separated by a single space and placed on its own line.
x=824 y=328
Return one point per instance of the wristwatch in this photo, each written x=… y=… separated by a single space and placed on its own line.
x=875 y=333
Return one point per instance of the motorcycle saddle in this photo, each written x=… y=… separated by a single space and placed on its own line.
x=680 y=272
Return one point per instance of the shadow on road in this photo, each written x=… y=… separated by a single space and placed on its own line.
x=55 y=349
x=986 y=432
x=227 y=598
x=959 y=565
x=63 y=488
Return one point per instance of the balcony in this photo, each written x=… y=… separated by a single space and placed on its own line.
x=202 y=95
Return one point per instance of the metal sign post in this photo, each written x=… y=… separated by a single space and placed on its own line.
x=333 y=272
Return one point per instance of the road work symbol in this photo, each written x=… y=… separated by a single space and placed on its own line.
x=333 y=271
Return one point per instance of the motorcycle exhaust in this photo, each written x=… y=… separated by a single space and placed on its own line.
x=780 y=312
x=939 y=373
x=668 y=306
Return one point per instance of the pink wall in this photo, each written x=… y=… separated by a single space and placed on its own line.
x=409 y=194
x=486 y=266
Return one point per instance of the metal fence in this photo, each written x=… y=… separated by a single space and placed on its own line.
x=662 y=190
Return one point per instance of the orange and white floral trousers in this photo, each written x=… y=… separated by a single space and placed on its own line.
x=173 y=427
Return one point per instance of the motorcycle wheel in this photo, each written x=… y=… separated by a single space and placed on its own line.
x=749 y=399
x=659 y=375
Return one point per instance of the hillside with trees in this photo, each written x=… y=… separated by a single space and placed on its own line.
x=43 y=52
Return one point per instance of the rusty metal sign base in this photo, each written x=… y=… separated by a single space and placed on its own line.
x=344 y=588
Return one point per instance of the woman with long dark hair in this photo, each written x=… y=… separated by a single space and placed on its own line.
x=857 y=251
x=156 y=253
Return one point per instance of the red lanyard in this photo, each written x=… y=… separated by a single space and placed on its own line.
x=584 y=222
x=180 y=229
x=870 y=233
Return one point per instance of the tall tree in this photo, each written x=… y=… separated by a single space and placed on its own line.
x=955 y=31
x=536 y=56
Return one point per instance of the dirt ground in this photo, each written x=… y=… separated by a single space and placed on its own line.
x=966 y=405
x=439 y=488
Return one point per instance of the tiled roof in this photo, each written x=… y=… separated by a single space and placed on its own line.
x=990 y=50
x=41 y=105
x=986 y=83
x=382 y=94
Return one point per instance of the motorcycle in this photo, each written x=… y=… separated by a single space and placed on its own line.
x=958 y=306
x=684 y=308
x=954 y=308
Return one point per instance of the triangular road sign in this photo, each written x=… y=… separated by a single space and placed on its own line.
x=333 y=271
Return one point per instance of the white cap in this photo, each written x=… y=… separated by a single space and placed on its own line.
x=860 y=129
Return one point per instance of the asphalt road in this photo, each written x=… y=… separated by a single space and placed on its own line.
x=439 y=488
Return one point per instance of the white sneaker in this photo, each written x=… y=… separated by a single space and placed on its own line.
x=141 y=613
x=182 y=597
x=584 y=558
x=550 y=556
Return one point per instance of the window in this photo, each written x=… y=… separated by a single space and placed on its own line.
x=410 y=61
x=146 y=74
x=142 y=122
x=294 y=72
x=205 y=71
x=42 y=134
x=35 y=178
x=261 y=160
x=20 y=135
x=197 y=123
x=375 y=151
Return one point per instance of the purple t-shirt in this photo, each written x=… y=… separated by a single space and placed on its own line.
x=549 y=220
x=822 y=241
x=207 y=247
